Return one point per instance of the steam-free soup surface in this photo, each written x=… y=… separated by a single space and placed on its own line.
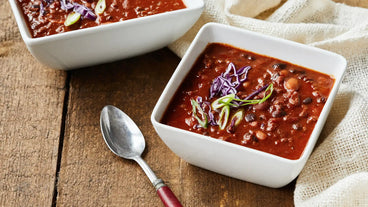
x=47 y=17
x=271 y=105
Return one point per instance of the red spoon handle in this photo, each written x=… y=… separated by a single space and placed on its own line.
x=168 y=197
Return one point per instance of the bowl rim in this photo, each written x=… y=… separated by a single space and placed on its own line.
x=29 y=40
x=156 y=116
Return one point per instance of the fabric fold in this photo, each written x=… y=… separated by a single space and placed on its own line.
x=337 y=172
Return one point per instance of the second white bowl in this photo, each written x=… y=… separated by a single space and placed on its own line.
x=110 y=42
x=227 y=158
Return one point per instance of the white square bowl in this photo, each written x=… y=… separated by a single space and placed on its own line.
x=109 y=42
x=231 y=159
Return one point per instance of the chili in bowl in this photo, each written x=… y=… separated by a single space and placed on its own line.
x=69 y=34
x=248 y=105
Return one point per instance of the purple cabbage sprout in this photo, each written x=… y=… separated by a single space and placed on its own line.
x=42 y=9
x=42 y=6
x=211 y=117
x=78 y=8
x=228 y=82
x=66 y=5
x=84 y=11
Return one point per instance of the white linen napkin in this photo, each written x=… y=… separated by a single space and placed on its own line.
x=337 y=172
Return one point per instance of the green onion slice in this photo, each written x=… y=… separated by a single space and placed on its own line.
x=100 y=7
x=223 y=101
x=237 y=117
x=195 y=107
x=224 y=117
x=226 y=100
x=72 y=18
x=269 y=89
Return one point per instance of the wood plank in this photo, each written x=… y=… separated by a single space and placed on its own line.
x=90 y=175
x=31 y=102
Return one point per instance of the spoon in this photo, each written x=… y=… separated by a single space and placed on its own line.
x=124 y=139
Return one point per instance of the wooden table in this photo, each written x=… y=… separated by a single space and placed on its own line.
x=51 y=149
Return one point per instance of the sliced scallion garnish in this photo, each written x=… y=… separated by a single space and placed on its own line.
x=226 y=102
x=237 y=117
x=224 y=116
x=223 y=101
x=257 y=101
x=100 y=7
x=72 y=18
x=197 y=108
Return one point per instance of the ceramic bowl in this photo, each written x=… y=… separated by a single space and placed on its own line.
x=227 y=158
x=110 y=42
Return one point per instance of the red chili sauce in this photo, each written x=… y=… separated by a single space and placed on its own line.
x=47 y=17
x=281 y=125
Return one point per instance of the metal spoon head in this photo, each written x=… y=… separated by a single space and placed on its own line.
x=120 y=133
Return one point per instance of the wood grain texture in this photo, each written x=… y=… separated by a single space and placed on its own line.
x=31 y=102
x=91 y=175
x=31 y=111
